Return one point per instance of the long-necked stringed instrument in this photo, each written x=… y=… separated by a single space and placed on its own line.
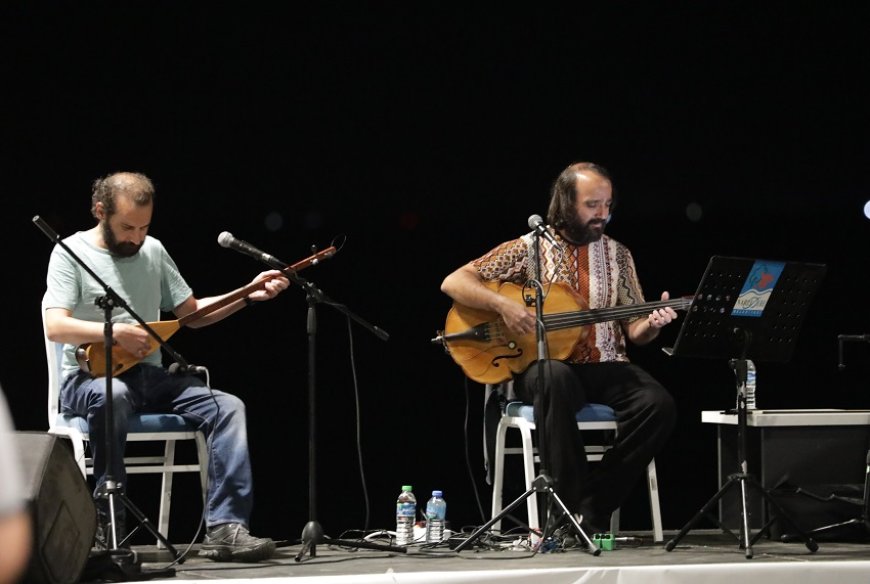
x=488 y=352
x=92 y=356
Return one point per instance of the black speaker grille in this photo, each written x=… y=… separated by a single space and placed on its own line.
x=62 y=507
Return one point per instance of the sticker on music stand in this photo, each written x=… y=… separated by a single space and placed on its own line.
x=757 y=288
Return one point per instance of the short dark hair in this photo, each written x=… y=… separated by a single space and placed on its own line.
x=563 y=194
x=105 y=190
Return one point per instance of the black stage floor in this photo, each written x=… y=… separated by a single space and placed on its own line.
x=708 y=556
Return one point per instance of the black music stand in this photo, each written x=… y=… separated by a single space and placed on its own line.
x=747 y=309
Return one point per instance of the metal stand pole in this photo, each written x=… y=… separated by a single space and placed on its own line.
x=743 y=479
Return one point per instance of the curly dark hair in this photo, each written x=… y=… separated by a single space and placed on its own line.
x=137 y=186
x=563 y=194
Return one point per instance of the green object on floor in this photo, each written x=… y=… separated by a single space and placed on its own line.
x=603 y=541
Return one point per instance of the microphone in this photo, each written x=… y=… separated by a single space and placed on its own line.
x=226 y=239
x=179 y=369
x=536 y=224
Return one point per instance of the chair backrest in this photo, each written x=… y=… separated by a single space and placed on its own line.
x=54 y=359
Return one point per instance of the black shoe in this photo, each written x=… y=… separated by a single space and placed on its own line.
x=232 y=542
x=566 y=534
x=103 y=536
x=574 y=539
x=588 y=526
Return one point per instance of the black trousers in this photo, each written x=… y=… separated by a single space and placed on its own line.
x=645 y=414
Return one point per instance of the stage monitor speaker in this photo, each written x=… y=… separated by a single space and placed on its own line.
x=62 y=508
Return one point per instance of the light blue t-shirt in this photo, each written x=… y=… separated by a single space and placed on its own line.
x=148 y=281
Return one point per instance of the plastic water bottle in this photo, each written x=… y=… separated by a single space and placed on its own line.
x=750 y=385
x=406 y=512
x=436 y=512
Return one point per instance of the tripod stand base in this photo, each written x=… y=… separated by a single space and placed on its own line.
x=541 y=484
x=743 y=480
x=119 y=565
x=112 y=490
x=858 y=524
x=312 y=535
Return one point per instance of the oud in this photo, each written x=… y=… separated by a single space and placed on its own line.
x=488 y=352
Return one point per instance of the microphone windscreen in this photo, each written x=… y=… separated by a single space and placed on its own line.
x=225 y=239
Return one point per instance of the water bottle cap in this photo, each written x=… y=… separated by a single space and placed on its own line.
x=407 y=488
x=437 y=494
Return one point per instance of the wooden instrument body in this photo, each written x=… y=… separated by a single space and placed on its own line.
x=92 y=357
x=480 y=342
x=501 y=353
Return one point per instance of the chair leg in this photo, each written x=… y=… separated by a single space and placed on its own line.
x=655 y=509
x=498 y=473
x=529 y=467
x=166 y=491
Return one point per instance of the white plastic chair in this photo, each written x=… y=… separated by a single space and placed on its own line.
x=167 y=428
x=592 y=417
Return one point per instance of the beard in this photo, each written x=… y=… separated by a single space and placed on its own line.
x=580 y=233
x=123 y=249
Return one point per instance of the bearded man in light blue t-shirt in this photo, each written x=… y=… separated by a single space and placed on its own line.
x=139 y=269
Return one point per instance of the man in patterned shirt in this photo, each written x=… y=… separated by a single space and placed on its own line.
x=601 y=271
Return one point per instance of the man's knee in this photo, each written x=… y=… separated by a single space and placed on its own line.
x=557 y=379
x=555 y=374
x=662 y=406
x=231 y=405
x=565 y=391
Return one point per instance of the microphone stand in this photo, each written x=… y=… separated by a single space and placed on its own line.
x=112 y=489
x=312 y=533
x=543 y=483
x=541 y=405
x=742 y=478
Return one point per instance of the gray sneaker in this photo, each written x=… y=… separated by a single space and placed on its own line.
x=231 y=542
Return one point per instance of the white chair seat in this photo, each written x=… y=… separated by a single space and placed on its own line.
x=521 y=416
x=138 y=423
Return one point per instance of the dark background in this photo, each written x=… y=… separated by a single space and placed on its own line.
x=427 y=134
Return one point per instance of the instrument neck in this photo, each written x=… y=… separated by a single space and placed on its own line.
x=258 y=284
x=564 y=320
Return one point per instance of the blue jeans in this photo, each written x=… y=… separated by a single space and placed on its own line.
x=149 y=389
